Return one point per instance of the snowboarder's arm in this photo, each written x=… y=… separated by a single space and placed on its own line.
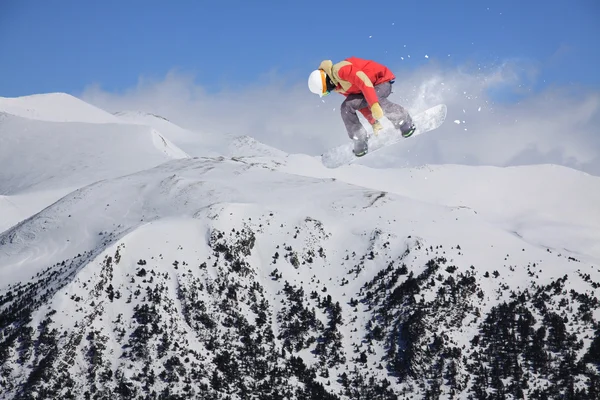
x=367 y=114
x=358 y=78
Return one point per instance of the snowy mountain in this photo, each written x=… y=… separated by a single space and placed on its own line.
x=258 y=274
x=201 y=144
x=55 y=107
x=38 y=155
x=43 y=159
x=195 y=144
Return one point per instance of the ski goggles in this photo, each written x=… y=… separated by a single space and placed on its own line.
x=324 y=84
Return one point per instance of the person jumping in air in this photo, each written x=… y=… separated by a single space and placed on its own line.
x=366 y=85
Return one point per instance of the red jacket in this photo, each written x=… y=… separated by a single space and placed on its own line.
x=354 y=71
x=355 y=76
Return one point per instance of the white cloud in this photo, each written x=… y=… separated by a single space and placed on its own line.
x=558 y=125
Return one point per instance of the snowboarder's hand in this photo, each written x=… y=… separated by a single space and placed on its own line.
x=377 y=127
x=376 y=111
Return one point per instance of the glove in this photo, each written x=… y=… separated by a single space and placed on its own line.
x=376 y=111
x=377 y=127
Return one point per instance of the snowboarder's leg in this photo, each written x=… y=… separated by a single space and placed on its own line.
x=349 y=107
x=355 y=129
x=397 y=114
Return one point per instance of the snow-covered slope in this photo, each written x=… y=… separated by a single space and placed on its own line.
x=248 y=147
x=52 y=144
x=551 y=205
x=174 y=132
x=204 y=144
x=42 y=155
x=210 y=278
x=55 y=107
x=548 y=205
x=16 y=208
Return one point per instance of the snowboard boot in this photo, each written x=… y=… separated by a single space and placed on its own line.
x=406 y=128
x=407 y=132
x=360 y=147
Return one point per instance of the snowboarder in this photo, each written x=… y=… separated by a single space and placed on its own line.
x=366 y=85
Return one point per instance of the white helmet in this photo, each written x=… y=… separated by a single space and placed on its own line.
x=317 y=82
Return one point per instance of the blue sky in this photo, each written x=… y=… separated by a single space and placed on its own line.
x=65 y=45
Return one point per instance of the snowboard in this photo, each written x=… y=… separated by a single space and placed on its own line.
x=425 y=121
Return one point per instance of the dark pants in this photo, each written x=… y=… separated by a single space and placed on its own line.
x=397 y=114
